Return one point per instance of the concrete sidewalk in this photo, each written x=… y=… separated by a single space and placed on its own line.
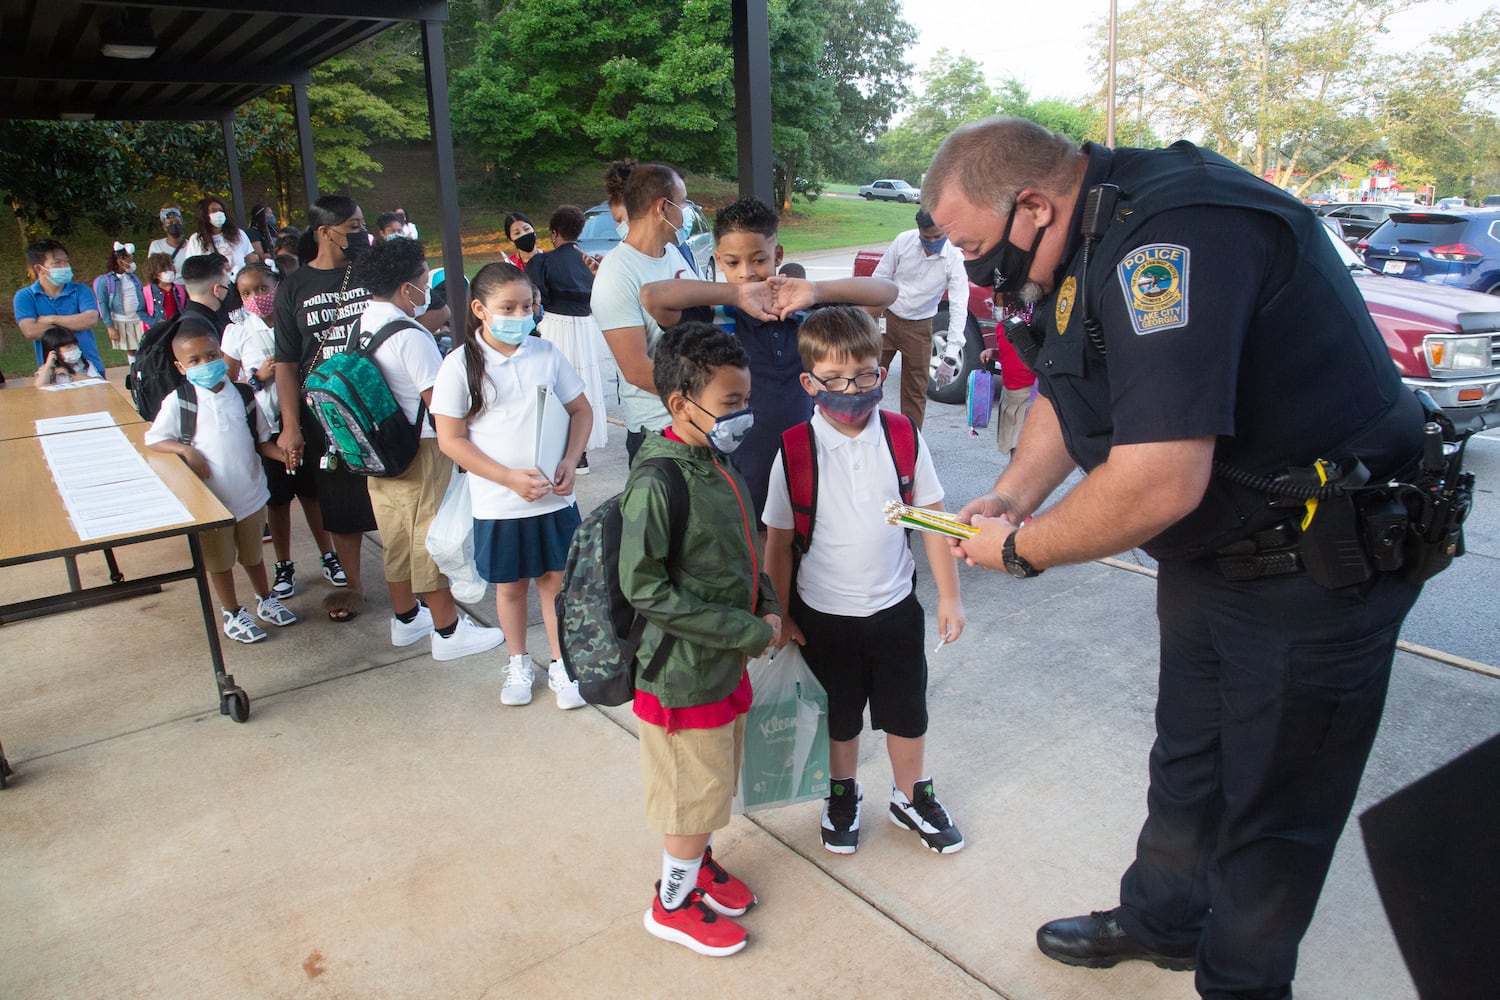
x=383 y=827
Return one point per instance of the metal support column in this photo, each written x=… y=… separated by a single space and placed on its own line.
x=232 y=158
x=447 y=174
x=304 y=138
x=752 y=98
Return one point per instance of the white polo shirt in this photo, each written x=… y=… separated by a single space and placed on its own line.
x=409 y=360
x=857 y=564
x=223 y=437
x=921 y=280
x=616 y=304
x=505 y=429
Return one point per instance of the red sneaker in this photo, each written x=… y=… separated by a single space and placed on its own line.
x=695 y=926
x=722 y=890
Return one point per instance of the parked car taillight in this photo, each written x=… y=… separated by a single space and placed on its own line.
x=1460 y=252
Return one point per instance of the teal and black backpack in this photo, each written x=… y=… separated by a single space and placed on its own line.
x=600 y=632
x=366 y=430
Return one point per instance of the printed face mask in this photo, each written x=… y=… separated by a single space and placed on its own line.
x=218 y=219
x=1006 y=267
x=526 y=242
x=262 y=305
x=511 y=329
x=728 y=431
x=208 y=374
x=848 y=407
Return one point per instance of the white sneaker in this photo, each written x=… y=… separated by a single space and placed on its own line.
x=406 y=633
x=518 y=680
x=269 y=609
x=468 y=638
x=240 y=627
x=566 y=690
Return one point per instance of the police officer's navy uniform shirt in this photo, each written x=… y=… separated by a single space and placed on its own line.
x=1222 y=316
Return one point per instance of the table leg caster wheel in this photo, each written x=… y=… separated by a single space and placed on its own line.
x=235 y=704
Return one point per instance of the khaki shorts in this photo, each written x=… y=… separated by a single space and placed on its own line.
x=1013 y=406
x=220 y=545
x=404 y=508
x=690 y=776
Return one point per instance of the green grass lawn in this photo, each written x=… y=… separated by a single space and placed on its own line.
x=841 y=222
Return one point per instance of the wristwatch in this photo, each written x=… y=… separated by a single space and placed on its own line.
x=1015 y=565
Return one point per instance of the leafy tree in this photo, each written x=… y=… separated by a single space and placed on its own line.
x=954 y=91
x=1281 y=86
x=864 y=56
x=1079 y=122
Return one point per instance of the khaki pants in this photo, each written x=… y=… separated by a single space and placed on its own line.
x=912 y=338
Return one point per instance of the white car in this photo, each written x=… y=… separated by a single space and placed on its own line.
x=895 y=190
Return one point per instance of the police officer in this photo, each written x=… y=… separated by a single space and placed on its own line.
x=1202 y=339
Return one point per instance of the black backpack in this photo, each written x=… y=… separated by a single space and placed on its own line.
x=154 y=375
x=600 y=632
x=187 y=411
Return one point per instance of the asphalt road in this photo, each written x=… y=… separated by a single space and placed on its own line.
x=1459 y=611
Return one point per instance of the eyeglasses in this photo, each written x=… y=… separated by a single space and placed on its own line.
x=838 y=383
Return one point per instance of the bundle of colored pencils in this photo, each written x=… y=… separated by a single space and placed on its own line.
x=922 y=519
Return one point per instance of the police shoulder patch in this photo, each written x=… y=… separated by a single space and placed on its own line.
x=1066 y=296
x=1154 y=279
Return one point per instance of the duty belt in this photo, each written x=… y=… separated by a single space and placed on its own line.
x=1272 y=552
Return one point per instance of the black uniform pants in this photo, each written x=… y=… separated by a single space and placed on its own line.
x=1270 y=695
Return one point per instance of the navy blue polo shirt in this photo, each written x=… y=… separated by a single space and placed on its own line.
x=72 y=299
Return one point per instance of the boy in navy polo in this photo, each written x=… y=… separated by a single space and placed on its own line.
x=764 y=319
x=55 y=299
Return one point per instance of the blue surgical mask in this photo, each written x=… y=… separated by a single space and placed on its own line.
x=511 y=329
x=623 y=228
x=728 y=431
x=60 y=275
x=684 y=230
x=934 y=246
x=208 y=374
x=848 y=407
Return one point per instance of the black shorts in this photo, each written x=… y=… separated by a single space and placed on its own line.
x=876 y=661
x=285 y=487
x=343 y=497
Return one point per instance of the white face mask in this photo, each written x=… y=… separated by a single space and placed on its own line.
x=218 y=219
x=167 y=276
x=72 y=355
x=417 y=310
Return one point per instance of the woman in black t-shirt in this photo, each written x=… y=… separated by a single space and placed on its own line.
x=316 y=308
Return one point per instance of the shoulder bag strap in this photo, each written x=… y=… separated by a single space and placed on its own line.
x=677 y=511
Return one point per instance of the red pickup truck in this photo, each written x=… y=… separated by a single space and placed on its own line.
x=1444 y=340
x=979 y=331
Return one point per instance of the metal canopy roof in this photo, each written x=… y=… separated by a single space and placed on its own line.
x=210 y=57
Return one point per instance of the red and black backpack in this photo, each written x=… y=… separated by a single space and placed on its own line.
x=799 y=461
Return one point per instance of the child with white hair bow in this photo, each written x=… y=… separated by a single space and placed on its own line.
x=122 y=300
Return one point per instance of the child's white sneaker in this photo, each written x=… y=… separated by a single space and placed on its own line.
x=519 y=677
x=240 y=627
x=406 y=633
x=269 y=609
x=565 y=688
x=467 y=639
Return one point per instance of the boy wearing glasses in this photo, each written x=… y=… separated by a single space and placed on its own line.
x=853 y=609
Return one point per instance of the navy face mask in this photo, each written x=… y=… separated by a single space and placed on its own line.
x=849 y=407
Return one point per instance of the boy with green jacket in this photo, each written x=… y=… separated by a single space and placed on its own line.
x=712 y=598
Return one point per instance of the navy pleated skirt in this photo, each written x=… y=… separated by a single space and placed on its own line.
x=524 y=548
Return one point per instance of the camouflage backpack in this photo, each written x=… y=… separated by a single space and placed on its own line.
x=599 y=630
x=367 y=432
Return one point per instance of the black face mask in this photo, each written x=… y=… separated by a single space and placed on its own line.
x=356 y=245
x=174 y=230
x=526 y=242
x=1006 y=267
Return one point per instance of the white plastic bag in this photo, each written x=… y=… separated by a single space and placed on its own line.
x=786 y=734
x=450 y=542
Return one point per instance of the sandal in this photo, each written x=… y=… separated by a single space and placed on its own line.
x=344 y=606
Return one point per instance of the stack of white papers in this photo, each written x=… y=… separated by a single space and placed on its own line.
x=77 y=422
x=107 y=486
x=78 y=384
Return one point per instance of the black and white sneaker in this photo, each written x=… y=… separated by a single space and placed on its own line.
x=285 y=584
x=926 y=815
x=841 y=816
